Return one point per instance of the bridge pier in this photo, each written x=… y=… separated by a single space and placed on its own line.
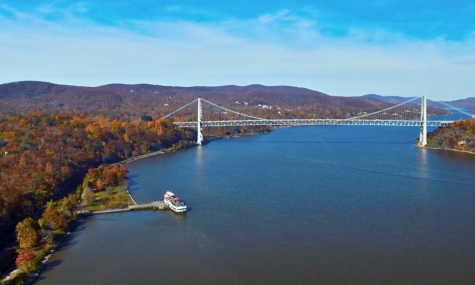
x=199 y=132
x=423 y=132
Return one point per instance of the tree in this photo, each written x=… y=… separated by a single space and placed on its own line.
x=27 y=233
x=67 y=205
x=88 y=195
x=145 y=147
x=93 y=174
x=73 y=200
x=42 y=223
x=123 y=169
x=146 y=118
x=113 y=174
x=181 y=144
x=55 y=219
x=26 y=260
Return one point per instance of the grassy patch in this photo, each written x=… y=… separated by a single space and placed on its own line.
x=117 y=197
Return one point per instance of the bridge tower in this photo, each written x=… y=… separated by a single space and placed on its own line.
x=423 y=133
x=199 y=133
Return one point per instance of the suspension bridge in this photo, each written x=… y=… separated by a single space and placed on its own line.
x=412 y=113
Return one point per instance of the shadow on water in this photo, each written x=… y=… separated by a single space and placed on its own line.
x=177 y=216
x=71 y=240
x=133 y=184
x=132 y=179
x=67 y=243
x=51 y=265
x=453 y=155
x=48 y=267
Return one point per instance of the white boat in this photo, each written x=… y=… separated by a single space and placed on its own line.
x=174 y=203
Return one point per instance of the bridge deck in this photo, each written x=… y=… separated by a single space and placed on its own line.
x=312 y=122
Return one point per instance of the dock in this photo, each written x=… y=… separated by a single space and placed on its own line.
x=155 y=205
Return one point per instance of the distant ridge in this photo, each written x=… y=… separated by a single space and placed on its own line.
x=133 y=100
x=388 y=99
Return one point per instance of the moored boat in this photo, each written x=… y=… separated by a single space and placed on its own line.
x=174 y=203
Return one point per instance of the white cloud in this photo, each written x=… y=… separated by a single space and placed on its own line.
x=274 y=49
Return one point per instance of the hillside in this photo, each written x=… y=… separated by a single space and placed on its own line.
x=459 y=136
x=45 y=156
x=130 y=102
x=468 y=103
x=393 y=100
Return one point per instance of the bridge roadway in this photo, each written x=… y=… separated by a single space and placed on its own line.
x=312 y=122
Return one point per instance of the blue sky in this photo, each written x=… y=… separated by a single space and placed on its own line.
x=343 y=48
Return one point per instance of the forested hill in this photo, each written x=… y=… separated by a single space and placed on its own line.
x=130 y=102
x=43 y=156
x=458 y=136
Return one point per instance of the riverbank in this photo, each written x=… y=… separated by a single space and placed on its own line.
x=111 y=200
x=98 y=207
x=141 y=156
x=449 y=149
x=162 y=151
x=15 y=275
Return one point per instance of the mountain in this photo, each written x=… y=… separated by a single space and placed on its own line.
x=393 y=100
x=131 y=101
x=468 y=103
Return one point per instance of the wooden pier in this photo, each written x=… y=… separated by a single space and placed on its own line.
x=155 y=205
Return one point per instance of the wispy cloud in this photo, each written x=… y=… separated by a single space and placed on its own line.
x=280 y=48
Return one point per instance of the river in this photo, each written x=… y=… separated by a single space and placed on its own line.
x=307 y=205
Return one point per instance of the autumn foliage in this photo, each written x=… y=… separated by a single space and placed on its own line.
x=27 y=233
x=26 y=260
x=45 y=154
x=458 y=136
x=55 y=219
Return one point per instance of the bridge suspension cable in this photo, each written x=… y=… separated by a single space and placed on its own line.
x=384 y=111
x=228 y=110
x=177 y=110
x=455 y=108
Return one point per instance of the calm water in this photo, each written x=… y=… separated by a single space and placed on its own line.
x=308 y=205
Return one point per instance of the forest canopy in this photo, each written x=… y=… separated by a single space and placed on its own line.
x=47 y=155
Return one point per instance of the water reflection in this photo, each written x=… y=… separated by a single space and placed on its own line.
x=422 y=162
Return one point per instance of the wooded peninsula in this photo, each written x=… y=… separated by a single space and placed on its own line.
x=458 y=136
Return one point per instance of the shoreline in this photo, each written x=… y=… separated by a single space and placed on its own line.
x=32 y=277
x=140 y=157
x=449 y=149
